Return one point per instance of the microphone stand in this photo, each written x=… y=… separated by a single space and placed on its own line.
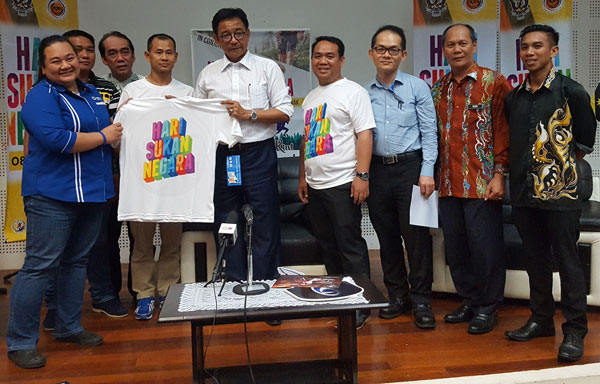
x=249 y=288
x=218 y=273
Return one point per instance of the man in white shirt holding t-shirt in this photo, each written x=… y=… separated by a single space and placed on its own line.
x=256 y=95
x=162 y=56
x=334 y=162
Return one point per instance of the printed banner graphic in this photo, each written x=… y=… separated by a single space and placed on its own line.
x=61 y=14
x=430 y=19
x=19 y=54
x=290 y=49
x=516 y=15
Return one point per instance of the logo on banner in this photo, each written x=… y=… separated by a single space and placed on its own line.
x=23 y=7
x=473 y=6
x=519 y=8
x=435 y=7
x=169 y=152
x=552 y=6
x=18 y=226
x=56 y=9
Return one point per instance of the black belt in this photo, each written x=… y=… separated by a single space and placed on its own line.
x=393 y=159
x=241 y=147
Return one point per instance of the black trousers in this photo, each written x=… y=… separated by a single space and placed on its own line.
x=474 y=243
x=389 y=209
x=335 y=221
x=540 y=231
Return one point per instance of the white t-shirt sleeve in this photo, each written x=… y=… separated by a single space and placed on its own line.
x=361 y=111
x=125 y=95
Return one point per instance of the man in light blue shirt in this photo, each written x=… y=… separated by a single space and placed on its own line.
x=404 y=154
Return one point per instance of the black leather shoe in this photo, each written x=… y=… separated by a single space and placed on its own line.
x=483 y=323
x=424 y=317
x=27 y=358
x=571 y=348
x=85 y=338
x=361 y=318
x=461 y=314
x=395 y=308
x=530 y=331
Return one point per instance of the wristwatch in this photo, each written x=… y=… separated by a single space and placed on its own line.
x=364 y=176
x=253 y=115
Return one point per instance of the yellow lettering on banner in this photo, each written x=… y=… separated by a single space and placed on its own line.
x=15 y=161
x=297 y=101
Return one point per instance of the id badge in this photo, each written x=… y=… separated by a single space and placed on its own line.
x=234 y=170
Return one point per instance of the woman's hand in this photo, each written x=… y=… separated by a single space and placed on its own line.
x=113 y=133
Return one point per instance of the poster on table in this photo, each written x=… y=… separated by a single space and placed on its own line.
x=431 y=17
x=516 y=15
x=20 y=37
x=290 y=49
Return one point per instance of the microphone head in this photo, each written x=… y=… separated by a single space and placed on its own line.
x=247 y=210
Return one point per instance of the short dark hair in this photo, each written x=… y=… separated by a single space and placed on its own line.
x=331 y=39
x=228 y=13
x=397 y=30
x=160 y=36
x=45 y=43
x=115 y=34
x=79 y=33
x=472 y=34
x=551 y=32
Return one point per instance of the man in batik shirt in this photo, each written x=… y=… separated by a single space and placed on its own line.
x=473 y=162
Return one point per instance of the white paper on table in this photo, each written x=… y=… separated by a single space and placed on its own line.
x=423 y=212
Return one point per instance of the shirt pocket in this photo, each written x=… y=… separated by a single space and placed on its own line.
x=259 y=94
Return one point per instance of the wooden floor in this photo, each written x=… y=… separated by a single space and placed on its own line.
x=388 y=350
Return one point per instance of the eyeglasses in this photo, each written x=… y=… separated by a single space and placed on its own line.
x=227 y=36
x=394 y=51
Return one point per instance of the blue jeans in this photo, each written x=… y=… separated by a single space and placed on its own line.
x=259 y=188
x=59 y=236
x=104 y=261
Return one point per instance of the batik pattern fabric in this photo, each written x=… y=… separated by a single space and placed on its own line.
x=472 y=131
x=547 y=127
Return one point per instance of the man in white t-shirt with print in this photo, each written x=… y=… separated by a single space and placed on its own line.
x=334 y=162
x=162 y=56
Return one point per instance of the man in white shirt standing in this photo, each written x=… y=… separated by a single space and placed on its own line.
x=334 y=162
x=256 y=95
x=162 y=56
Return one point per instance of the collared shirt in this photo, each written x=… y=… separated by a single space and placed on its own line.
x=255 y=82
x=109 y=92
x=121 y=84
x=546 y=128
x=405 y=119
x=54 y=116
x=472 y=131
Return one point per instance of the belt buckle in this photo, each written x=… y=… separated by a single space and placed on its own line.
x=387 y=160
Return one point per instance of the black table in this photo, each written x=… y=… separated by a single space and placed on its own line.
x=342 y=369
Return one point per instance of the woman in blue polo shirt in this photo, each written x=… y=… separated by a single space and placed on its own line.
x=66 y=180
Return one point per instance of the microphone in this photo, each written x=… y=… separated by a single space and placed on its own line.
x=228 y=229
x=248 y=214
x=227 y=236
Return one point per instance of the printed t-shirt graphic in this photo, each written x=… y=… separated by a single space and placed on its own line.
x=167 y=158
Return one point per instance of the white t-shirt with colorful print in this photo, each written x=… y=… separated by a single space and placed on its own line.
x=333 y=115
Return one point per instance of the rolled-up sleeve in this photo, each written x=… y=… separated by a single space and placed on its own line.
x=279 y=96
x=42 y=117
